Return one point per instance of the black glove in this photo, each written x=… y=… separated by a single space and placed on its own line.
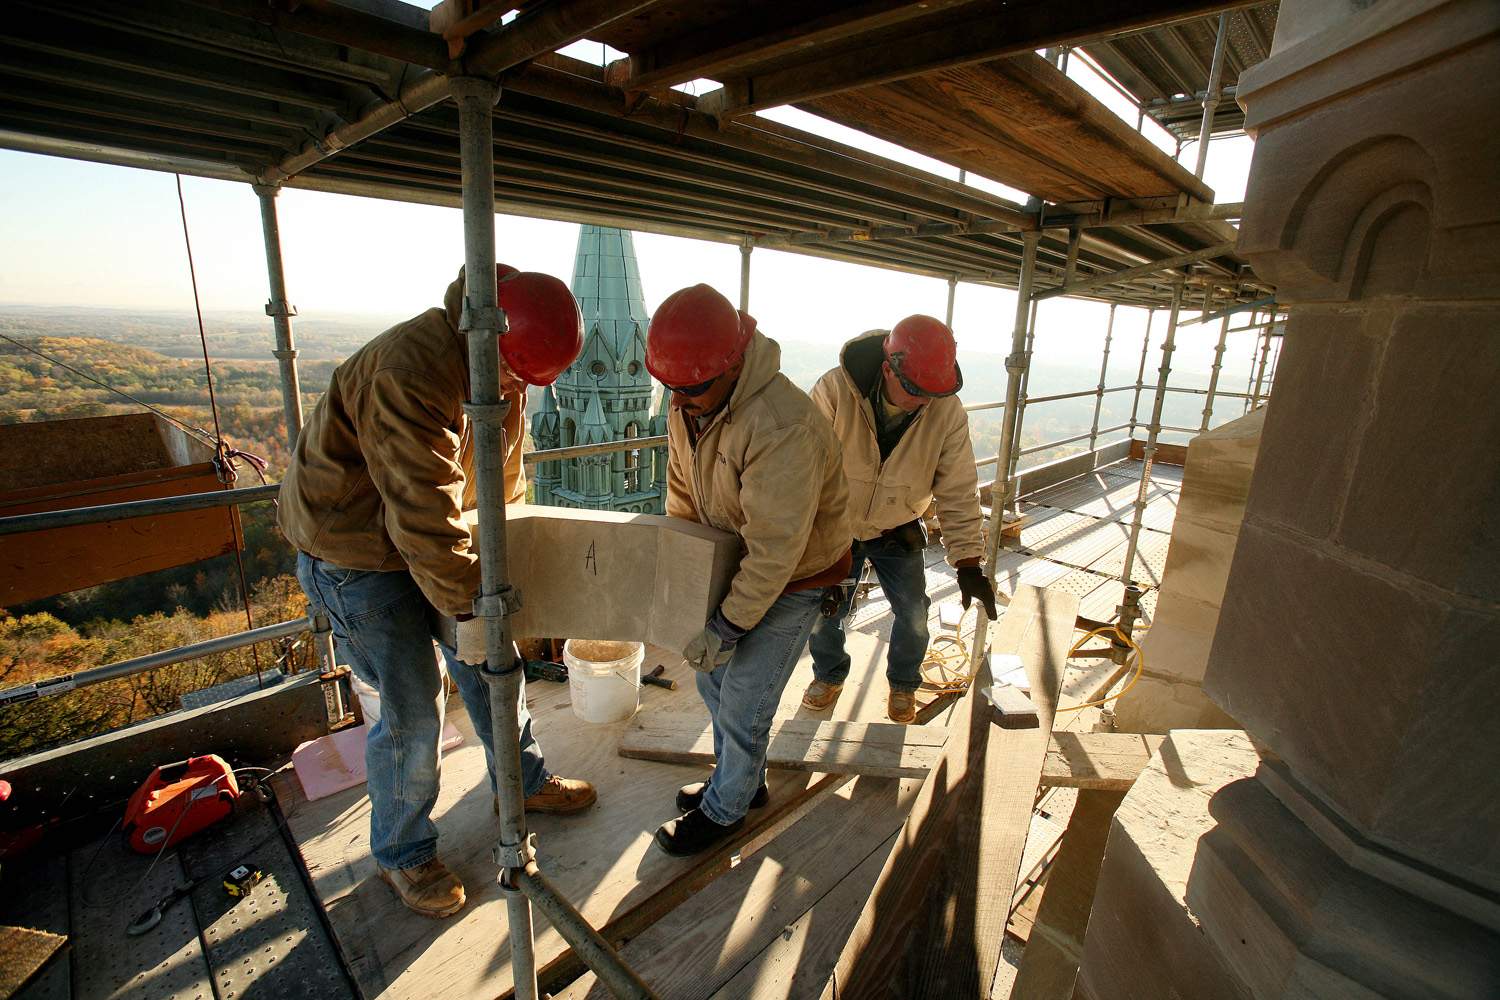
x=973 y=585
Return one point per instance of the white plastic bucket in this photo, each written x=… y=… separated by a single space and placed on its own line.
x=604 y=678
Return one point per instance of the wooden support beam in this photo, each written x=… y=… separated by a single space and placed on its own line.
x=1049 y=965
x=934 y=924
x=976 y=33
x=1102 y=761
x=764 y=32
x=884 y=749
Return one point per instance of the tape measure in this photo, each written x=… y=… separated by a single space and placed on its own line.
x=241 y=879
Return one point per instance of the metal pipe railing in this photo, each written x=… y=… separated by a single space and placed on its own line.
x=1015 y=366
x=1109 y=332
x=152 y=661
x=585 y=450
x=42 y=520
x=1048 y=445
x=1034 y=400
x=1211 y=95
x=1169 y=344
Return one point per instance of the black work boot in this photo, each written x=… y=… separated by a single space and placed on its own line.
x=688 y=796
x=692 y=833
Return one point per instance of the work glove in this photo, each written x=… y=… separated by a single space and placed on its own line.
x=714 y=645
x=973 y=585
x=472 y=642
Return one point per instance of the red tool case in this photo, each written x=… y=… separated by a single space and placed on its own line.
x=178 y=800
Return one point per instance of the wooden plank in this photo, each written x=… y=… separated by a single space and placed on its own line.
x=1099 y=761
x=1019 y=121
x=702 y=944
x=1166 y=454
x=1049 y=965
x=887 y=750
x=55 y=561
x=23 y=953
x=793 y=966
x=37 y=897
x=934 y=924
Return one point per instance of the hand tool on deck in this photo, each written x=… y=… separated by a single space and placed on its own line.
x=546 y=670
x=656 y=679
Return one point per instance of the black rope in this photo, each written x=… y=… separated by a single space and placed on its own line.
x=222 y=452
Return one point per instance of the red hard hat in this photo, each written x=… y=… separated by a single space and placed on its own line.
x=921 y=351
x=695 y=336
x=545 y=332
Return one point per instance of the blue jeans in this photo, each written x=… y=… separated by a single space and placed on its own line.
x=742 y=696
x=382 y=630
x=903 y=577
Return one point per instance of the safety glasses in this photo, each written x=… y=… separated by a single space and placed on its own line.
x=692 y=390
x=913 y=389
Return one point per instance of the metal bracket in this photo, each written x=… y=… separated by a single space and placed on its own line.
x=1016 y=362
x=274 y=308
x=476 y=317
x=506 y=602
x=515 y=855
x=487 y=413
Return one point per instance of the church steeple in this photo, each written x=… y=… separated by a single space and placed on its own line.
x=606 y=394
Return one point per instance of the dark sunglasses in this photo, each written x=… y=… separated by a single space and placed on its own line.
x=691 y=390
x=915 y=390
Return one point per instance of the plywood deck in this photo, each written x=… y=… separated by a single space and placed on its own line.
x=769 y=924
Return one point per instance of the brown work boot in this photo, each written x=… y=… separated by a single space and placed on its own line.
x=560 y=796
x=902 y=706
x=429 y=889
x=820 y=695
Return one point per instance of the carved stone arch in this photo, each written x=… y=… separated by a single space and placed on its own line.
x=1367 y=211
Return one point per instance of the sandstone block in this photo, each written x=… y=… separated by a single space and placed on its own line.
x=591 y=574
x=1375 y=692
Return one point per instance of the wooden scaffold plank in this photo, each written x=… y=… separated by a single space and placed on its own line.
x=934 y=924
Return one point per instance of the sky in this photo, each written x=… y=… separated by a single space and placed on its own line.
x=85 y=234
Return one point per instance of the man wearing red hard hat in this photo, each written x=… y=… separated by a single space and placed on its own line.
x=374 y=502
x=905 y=440
x=748 y=453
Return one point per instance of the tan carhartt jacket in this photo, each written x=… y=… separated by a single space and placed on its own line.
x=384 y=466
x=934 y=460
x=766 y=468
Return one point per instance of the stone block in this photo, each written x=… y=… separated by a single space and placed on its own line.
x=1372 y=187
x=1143 y=940
x=1215 y=483
x=592 y=574
x=1434 y=429
x=1376 y=692
x=1210 y=887
x=1325 y=374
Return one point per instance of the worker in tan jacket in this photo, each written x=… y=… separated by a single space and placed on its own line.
x=748 y=453
x=373 y=502
x=905 y=439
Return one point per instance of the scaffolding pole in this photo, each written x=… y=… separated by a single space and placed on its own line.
x=952 y=294
x=745 y=250
x=1140 y=374
x=1211 y=95
x=1169 y=344
x=281 y=312
x=483 y=324
x=1213 y=378
x=1109 y=332
x=1260 y=375
x=1015 y=452
x=1015 y=366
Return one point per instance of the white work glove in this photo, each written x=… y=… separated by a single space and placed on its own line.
x=471 y=642
x=714 y=645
